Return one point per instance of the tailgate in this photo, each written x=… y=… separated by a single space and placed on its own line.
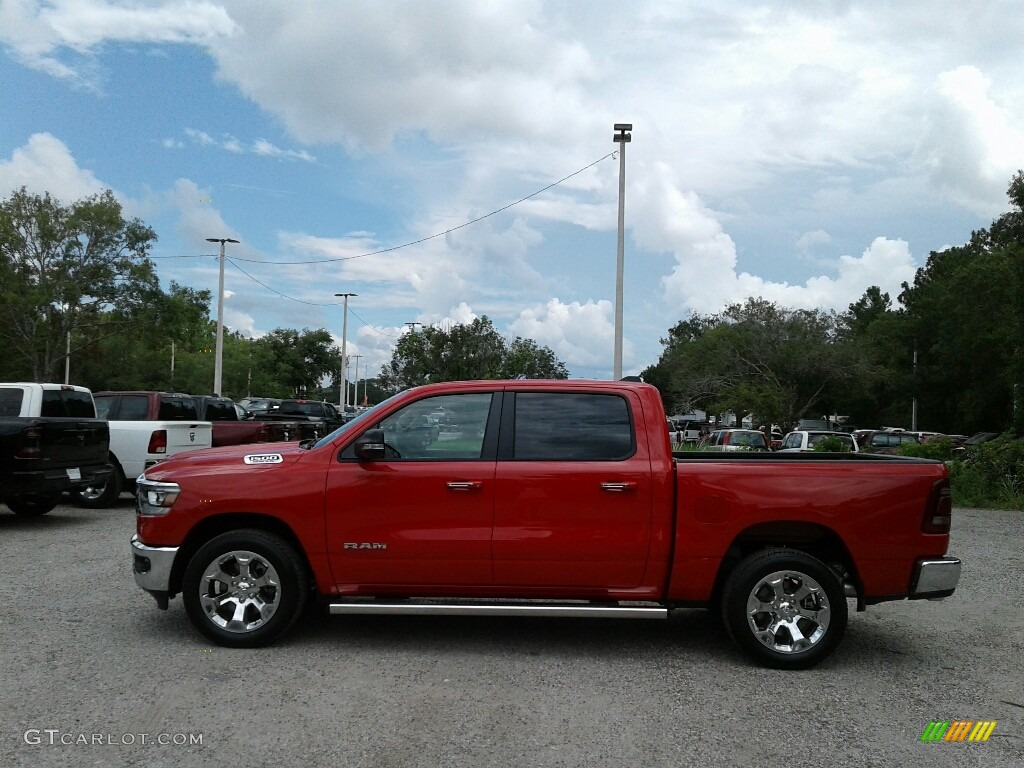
x=187 y=436
x=68 y=442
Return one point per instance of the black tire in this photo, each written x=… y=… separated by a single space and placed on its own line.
x=103 y=495
x=797 y=608
x=32 y=506
x=227 y=602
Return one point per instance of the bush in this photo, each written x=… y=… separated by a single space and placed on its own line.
x=990 y=475
x=940 y=449
x=831 y=445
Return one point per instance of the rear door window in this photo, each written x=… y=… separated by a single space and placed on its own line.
x=133 y=408
x=174 y=408
x=220 y=410
x=569 y=426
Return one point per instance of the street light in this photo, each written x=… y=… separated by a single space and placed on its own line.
x=622 y=137
x=343 y=395
x=218 y=363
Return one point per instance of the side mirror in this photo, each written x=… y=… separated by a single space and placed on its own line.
x=370 y=446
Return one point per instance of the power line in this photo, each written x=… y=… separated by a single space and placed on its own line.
x=310 y=303
x=439 y=234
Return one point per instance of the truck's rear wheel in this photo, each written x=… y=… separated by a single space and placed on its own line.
x=784 y=608
x=245 y=588
x=102 y=495
x=33 y=506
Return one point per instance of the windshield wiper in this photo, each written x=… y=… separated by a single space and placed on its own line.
x=307 y=444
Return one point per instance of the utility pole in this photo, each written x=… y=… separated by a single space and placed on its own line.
x=621 y=137
x=218 y=363
x=355 y=395
x=343 y=394
x=412 y=326
x=67 y=360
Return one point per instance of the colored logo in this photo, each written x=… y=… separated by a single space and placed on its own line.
x=958 y=730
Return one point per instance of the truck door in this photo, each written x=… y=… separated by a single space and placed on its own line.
x=422 y=516
x=574 y=490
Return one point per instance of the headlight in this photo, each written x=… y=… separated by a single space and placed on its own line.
x=155 y=498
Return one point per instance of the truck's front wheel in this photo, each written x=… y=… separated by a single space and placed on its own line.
x=784 y=608
x=245 y=588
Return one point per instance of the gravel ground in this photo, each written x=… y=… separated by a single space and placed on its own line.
x=87 y=656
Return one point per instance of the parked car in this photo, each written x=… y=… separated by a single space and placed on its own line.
x=260 y=405
x=566 y=502
x=807 y=439
x=145 y=427
x=50 y=442
x=736 y=440
x=887 y=442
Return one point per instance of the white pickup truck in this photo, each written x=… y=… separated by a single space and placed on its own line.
x=145 y=428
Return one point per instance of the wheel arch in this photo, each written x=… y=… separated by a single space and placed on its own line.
x=233 y=521
x=815 y=539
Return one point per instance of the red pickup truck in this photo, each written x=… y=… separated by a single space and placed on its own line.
x=557 y=498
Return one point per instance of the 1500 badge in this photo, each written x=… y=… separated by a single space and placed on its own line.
x=263 y=458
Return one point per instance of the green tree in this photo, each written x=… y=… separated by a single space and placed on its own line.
x=62 y=267
x=465 y=352
x=781 y=364
x=963 y=316
x=294 y=363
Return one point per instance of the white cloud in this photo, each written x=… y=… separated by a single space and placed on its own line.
x=580 y=335
x=45 y=164
x=453 y=70
x=229 y=143
x=810 y=240
x=38 y=33
x=971 y=145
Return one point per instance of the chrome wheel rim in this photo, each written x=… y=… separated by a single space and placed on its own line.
x=788 y=612
x=92 y=492
x=240 y=591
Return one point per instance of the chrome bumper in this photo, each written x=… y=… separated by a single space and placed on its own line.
x=152 y=567
x=935 y=578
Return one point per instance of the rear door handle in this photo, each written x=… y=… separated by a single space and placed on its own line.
x=618 y=487
x=463 y=486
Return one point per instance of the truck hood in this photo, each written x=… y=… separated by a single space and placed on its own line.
x=260 y=456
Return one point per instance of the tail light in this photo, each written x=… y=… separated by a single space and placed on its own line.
x=938 y=515
x=31 y=443
x=158 y=441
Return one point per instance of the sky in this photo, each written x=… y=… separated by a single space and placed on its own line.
x=447 y=160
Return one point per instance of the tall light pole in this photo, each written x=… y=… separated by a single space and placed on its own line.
x=621 y=137
x=343 y=395
x=355 y=395
x=218 y=363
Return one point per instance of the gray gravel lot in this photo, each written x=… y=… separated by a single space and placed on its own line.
x=88 y=655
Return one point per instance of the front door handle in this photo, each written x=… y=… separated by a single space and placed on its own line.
x=618 y=487
x=464 y=486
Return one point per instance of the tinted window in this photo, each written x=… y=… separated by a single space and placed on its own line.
x=565 y=426
x=70 y=402
x=133 y=408
x=220 y=410
x=10 y=402
x=177 y=409
x=103 y=406
x=791 y=441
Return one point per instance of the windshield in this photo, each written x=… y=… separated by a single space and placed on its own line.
x=346 y=427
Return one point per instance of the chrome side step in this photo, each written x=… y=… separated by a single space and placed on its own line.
x=582 y=610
